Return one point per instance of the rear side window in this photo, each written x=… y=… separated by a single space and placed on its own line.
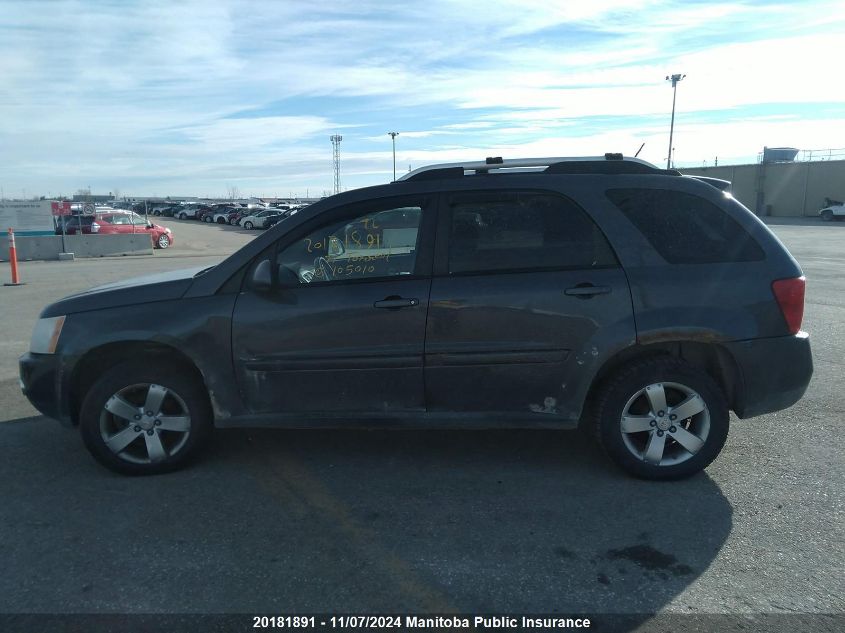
x=686 y=229
x=517 y=230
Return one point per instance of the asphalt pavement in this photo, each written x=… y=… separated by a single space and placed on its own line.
x=426 y=522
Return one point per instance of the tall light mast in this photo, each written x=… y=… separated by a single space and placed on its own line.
x=336 y=139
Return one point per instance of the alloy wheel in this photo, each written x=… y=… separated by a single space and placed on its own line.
x=145 y=423
x=665 y=423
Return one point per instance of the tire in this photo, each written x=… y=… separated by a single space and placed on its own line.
x=184 y=405
x=248 y=226
x=681 y=447
x=163 y=241
x=183 y=216
x=207 y=218
x=827 y=216
x=233 y=223
x=221 y=220
x=156 y=212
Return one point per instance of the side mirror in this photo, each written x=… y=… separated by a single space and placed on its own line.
x=262 y=279
x=287 y=277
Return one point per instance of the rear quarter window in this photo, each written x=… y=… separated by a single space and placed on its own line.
x=684 y=228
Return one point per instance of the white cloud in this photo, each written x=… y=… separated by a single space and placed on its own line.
x=237 y=134
x=162 y=94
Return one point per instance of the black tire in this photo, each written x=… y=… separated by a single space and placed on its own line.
x=827 y=216
x=248 y=226
x=183 y=216
x=672 y=375
x=163 y=241
x=221 y=220
x=184 y=391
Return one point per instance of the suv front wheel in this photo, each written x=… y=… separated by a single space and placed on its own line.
x=145 y=418
x=661 y=418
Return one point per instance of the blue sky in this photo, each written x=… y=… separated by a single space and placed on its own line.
x=192 y=98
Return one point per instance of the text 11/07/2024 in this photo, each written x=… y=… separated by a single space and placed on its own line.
x=406 y=622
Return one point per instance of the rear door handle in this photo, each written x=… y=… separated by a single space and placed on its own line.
x=393 y=303
x=587 y=290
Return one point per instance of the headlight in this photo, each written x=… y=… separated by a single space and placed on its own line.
x=45 y=336
x=167 y=230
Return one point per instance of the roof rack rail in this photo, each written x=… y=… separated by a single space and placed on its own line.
x=608 y=164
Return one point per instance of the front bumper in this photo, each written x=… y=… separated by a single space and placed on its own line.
x=41 y=378
x=775 y=372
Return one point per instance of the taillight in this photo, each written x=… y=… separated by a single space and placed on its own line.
x=95 y=228
x=790 y=296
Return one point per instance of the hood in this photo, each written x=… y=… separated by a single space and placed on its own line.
x=147 y=289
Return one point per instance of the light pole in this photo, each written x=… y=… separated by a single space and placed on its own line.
x=393 y=136
x=674 y=79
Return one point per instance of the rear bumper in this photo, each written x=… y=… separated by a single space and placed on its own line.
x=41 y=381
x=775 y=372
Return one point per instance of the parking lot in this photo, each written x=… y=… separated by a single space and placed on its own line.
x=440 y=521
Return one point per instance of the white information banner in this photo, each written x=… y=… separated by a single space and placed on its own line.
x=27 y=216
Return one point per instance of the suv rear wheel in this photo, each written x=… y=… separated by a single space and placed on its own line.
x=144 y=419
x=661 y=418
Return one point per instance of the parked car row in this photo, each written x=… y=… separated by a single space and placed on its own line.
x=264 y=218
x=233 y=214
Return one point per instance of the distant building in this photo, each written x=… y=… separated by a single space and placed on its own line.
x=781 y=189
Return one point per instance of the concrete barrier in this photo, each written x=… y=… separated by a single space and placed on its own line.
x=49 y=246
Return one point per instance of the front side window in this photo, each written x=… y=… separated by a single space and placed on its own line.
x=686 y=229
x=515 y=230
x=373 y=241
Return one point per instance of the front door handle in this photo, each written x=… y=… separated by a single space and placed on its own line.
x=587 y=290
x=393 y=303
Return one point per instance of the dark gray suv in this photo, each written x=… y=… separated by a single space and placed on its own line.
x=603 y=292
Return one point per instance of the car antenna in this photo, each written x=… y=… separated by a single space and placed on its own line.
x=639 y=150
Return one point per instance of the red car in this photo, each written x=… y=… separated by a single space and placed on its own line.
x=110 y=222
